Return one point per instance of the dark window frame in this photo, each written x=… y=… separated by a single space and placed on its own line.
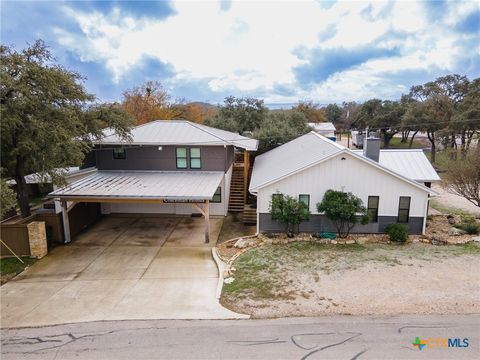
x=375 y=219
x=308 y=202
x=191 y=157
x=218 y=192
x=177 y=157
x=400 y=209
x=116 y=155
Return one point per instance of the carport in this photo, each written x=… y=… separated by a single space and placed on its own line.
x=158 y=187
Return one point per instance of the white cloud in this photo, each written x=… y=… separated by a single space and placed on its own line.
x=251 y=46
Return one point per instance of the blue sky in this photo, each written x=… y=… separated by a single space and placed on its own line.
x=325 y=51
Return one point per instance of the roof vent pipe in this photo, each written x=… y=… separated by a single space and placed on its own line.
x=371 y=148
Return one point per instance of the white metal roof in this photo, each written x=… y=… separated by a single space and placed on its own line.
x=322 y=126
x=291 y=157
x=411 y=163
x=165 y=185
x=38 y=178
x=180 y=132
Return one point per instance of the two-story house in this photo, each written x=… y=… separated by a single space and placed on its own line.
x=167 y=167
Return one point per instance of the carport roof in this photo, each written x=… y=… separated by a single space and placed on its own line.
x=142 y=185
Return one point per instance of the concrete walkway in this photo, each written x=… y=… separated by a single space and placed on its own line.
x=123 y=268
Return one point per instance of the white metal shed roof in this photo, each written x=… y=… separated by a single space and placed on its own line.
x=323 y=126
x=153 y=185
x=291 y=157
x=411 y=163
x=180 y=132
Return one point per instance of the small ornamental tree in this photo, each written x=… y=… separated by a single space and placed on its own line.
x=344 y=209
x=289 y=211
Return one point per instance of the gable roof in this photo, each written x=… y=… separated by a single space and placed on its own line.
x=291 y=157
x=179 y=132
x=302 y=153
x=411 y=163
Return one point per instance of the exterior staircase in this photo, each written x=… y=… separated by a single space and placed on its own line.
x=237 y=190
x=249 y=216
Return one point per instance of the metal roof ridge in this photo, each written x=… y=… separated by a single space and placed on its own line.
x=327 y=140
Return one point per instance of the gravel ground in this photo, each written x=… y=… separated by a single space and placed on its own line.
x=449 y=200
x=310 y=280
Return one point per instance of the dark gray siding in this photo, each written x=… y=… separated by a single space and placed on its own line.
x=320 y=223
x=214 y=158
x=89 y=160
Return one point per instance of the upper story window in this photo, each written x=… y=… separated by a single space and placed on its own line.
x=305 y=198
x=372 y=208
x=181 y=157
x=404 y=209
x=119 y=153
x=195 y=158
x=217 y=197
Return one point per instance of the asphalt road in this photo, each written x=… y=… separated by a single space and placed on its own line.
x=345 y=337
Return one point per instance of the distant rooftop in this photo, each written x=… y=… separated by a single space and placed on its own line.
x=322 y=127
x=180 y=132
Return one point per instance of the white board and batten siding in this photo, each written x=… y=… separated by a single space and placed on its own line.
x=349 y=175
x=216 y=209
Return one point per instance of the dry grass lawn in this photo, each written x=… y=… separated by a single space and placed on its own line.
x=308 y=278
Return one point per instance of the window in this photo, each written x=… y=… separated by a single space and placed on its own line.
x=181 y=154
x=404 y=209
x=119 y=153
x=305 y=199
x=372 y=209
x=195 y=159
x=217 y=197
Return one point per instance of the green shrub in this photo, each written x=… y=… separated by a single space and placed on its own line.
x=289 y=211
x=344 y=209
x=467 y=219
x=397 y=232
x=471 y=228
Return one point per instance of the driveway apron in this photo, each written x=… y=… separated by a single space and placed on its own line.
x=122 y=268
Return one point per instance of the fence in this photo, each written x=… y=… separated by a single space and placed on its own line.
x=18 y=233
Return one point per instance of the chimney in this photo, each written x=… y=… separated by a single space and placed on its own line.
x=371 y=148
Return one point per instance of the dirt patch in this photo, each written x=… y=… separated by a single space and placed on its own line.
x=439 y=227
x=233 y=227
x=309 y=279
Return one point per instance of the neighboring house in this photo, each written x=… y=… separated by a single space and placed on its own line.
x=168 y=167
x=391 y=183
x=326 y=129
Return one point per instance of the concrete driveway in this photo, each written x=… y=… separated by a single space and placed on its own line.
x=121 y=268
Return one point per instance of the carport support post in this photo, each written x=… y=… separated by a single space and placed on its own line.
x=205 y=211
x=66 y=223
x=207 y=221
